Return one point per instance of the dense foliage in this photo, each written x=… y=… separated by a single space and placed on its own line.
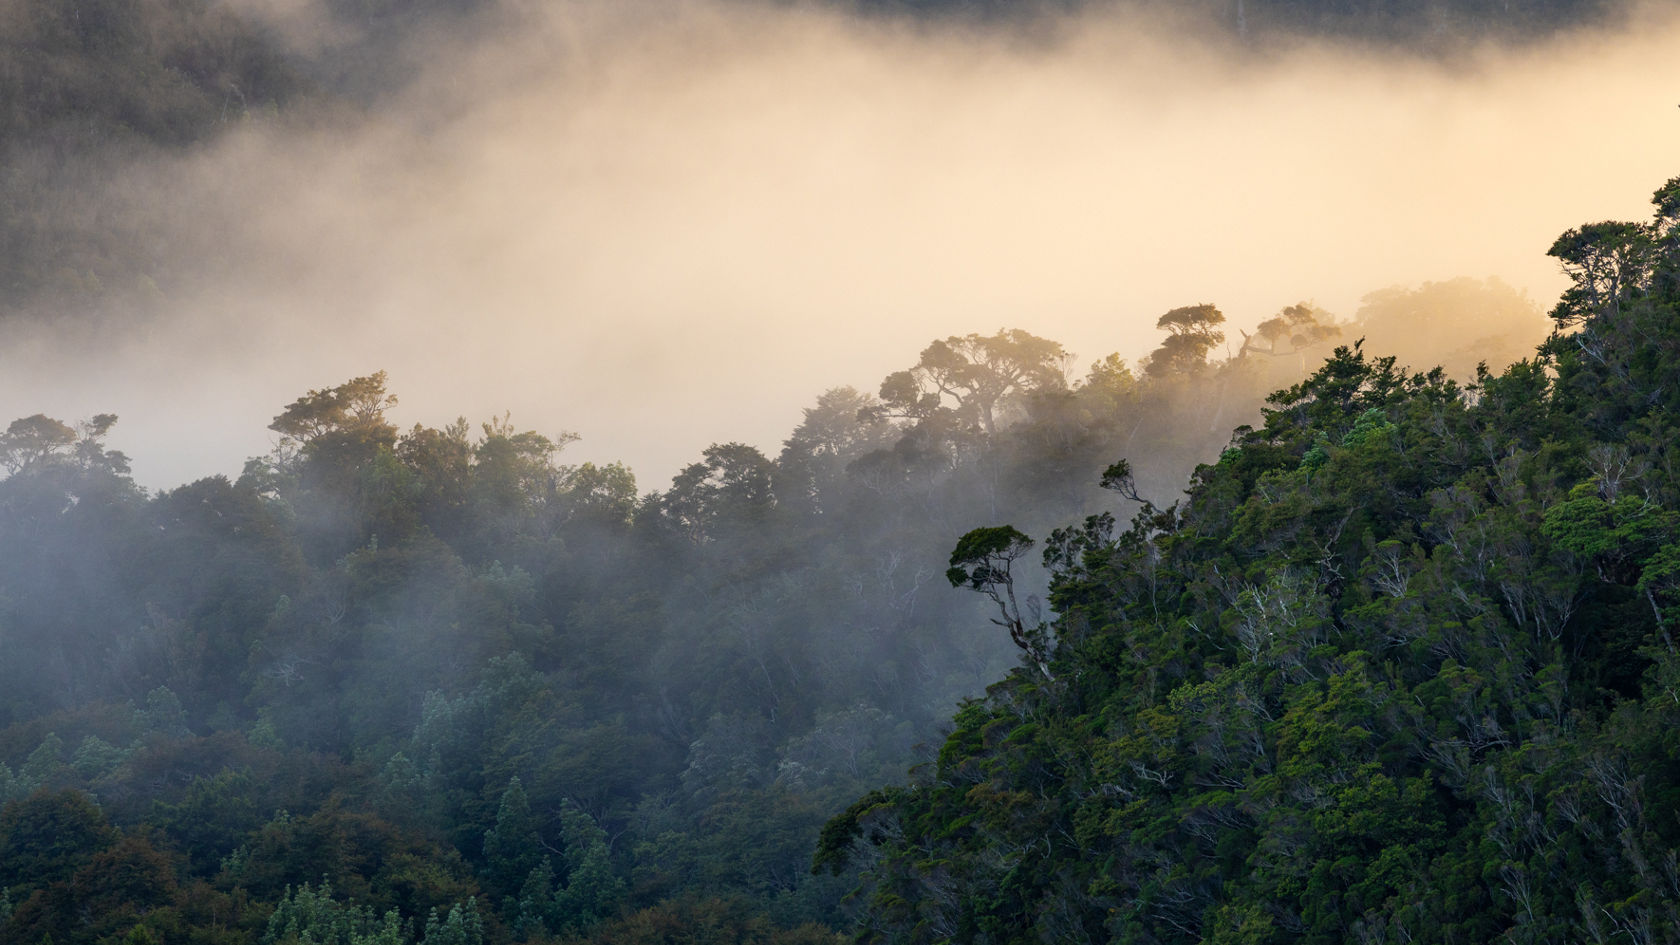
x=1396 y=666
x=437 y=685
x=1400 y=667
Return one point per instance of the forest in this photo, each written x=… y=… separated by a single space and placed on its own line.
x=1334 y=627
x=1398 y=667
x=393 y=686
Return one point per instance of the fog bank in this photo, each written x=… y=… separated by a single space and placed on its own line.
x=665 y=225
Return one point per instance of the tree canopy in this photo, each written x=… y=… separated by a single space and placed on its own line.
x=1398 y=667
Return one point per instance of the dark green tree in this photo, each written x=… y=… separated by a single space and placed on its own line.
x=512 y=848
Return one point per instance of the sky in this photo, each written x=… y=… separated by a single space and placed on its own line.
x=661 y=226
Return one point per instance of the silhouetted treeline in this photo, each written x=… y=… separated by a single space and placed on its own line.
x=386 y=673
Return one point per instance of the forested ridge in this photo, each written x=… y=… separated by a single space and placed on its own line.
x=439 y=685
x=1399 y=667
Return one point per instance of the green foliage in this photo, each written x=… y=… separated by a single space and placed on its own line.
x=982 y=557
x=45 y=765
x=511 y=847
x=311 y=916
x=842 y=833
x=461 y=926
x=1395 y=670
x=982 y=560
x=591 y=891
x=163 y=713
x=730 y=489
x=212 y=819
x=1398 y=665
x=94 y=758
x=140 y=935
x=48 y=835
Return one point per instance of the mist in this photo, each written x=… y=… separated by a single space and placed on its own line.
x=662 y=226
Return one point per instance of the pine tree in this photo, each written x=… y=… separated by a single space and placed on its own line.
x=511 y=848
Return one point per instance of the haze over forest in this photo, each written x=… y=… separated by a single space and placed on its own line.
x=665 y=225
x=482 y=472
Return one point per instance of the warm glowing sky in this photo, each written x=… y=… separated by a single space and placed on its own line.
x=665 y=231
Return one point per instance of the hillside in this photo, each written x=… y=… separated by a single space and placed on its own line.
x=389 y=672
x=1392 y=662
x=1399 y=667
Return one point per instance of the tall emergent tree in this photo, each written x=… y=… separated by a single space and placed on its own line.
x=976 y=373
x=1192 y=333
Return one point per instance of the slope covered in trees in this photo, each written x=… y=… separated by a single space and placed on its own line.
x=1399 y=667
x=439 y=685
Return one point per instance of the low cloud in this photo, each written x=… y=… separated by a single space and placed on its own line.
x=663 y=225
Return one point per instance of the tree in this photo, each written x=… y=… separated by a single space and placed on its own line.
x=1192 y=332
x=511 y=848
x=1111 y=380
x=1294 y=330
x=442 y=463
x=337 y=430
x=514 y=472
x=978 y=373
x=462 y=926
x=841 y=426
x=732 y=485
x=604 y=495
x=337 y=447
x=32 y=443
x=844 y=425
x=49 y=835
x=32 y=440
x=357 y=405
x=591 y=891
x=982 y=560
x=1607 y=262
x=311 y=916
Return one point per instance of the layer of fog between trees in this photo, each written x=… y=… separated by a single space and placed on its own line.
x=665 y=225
